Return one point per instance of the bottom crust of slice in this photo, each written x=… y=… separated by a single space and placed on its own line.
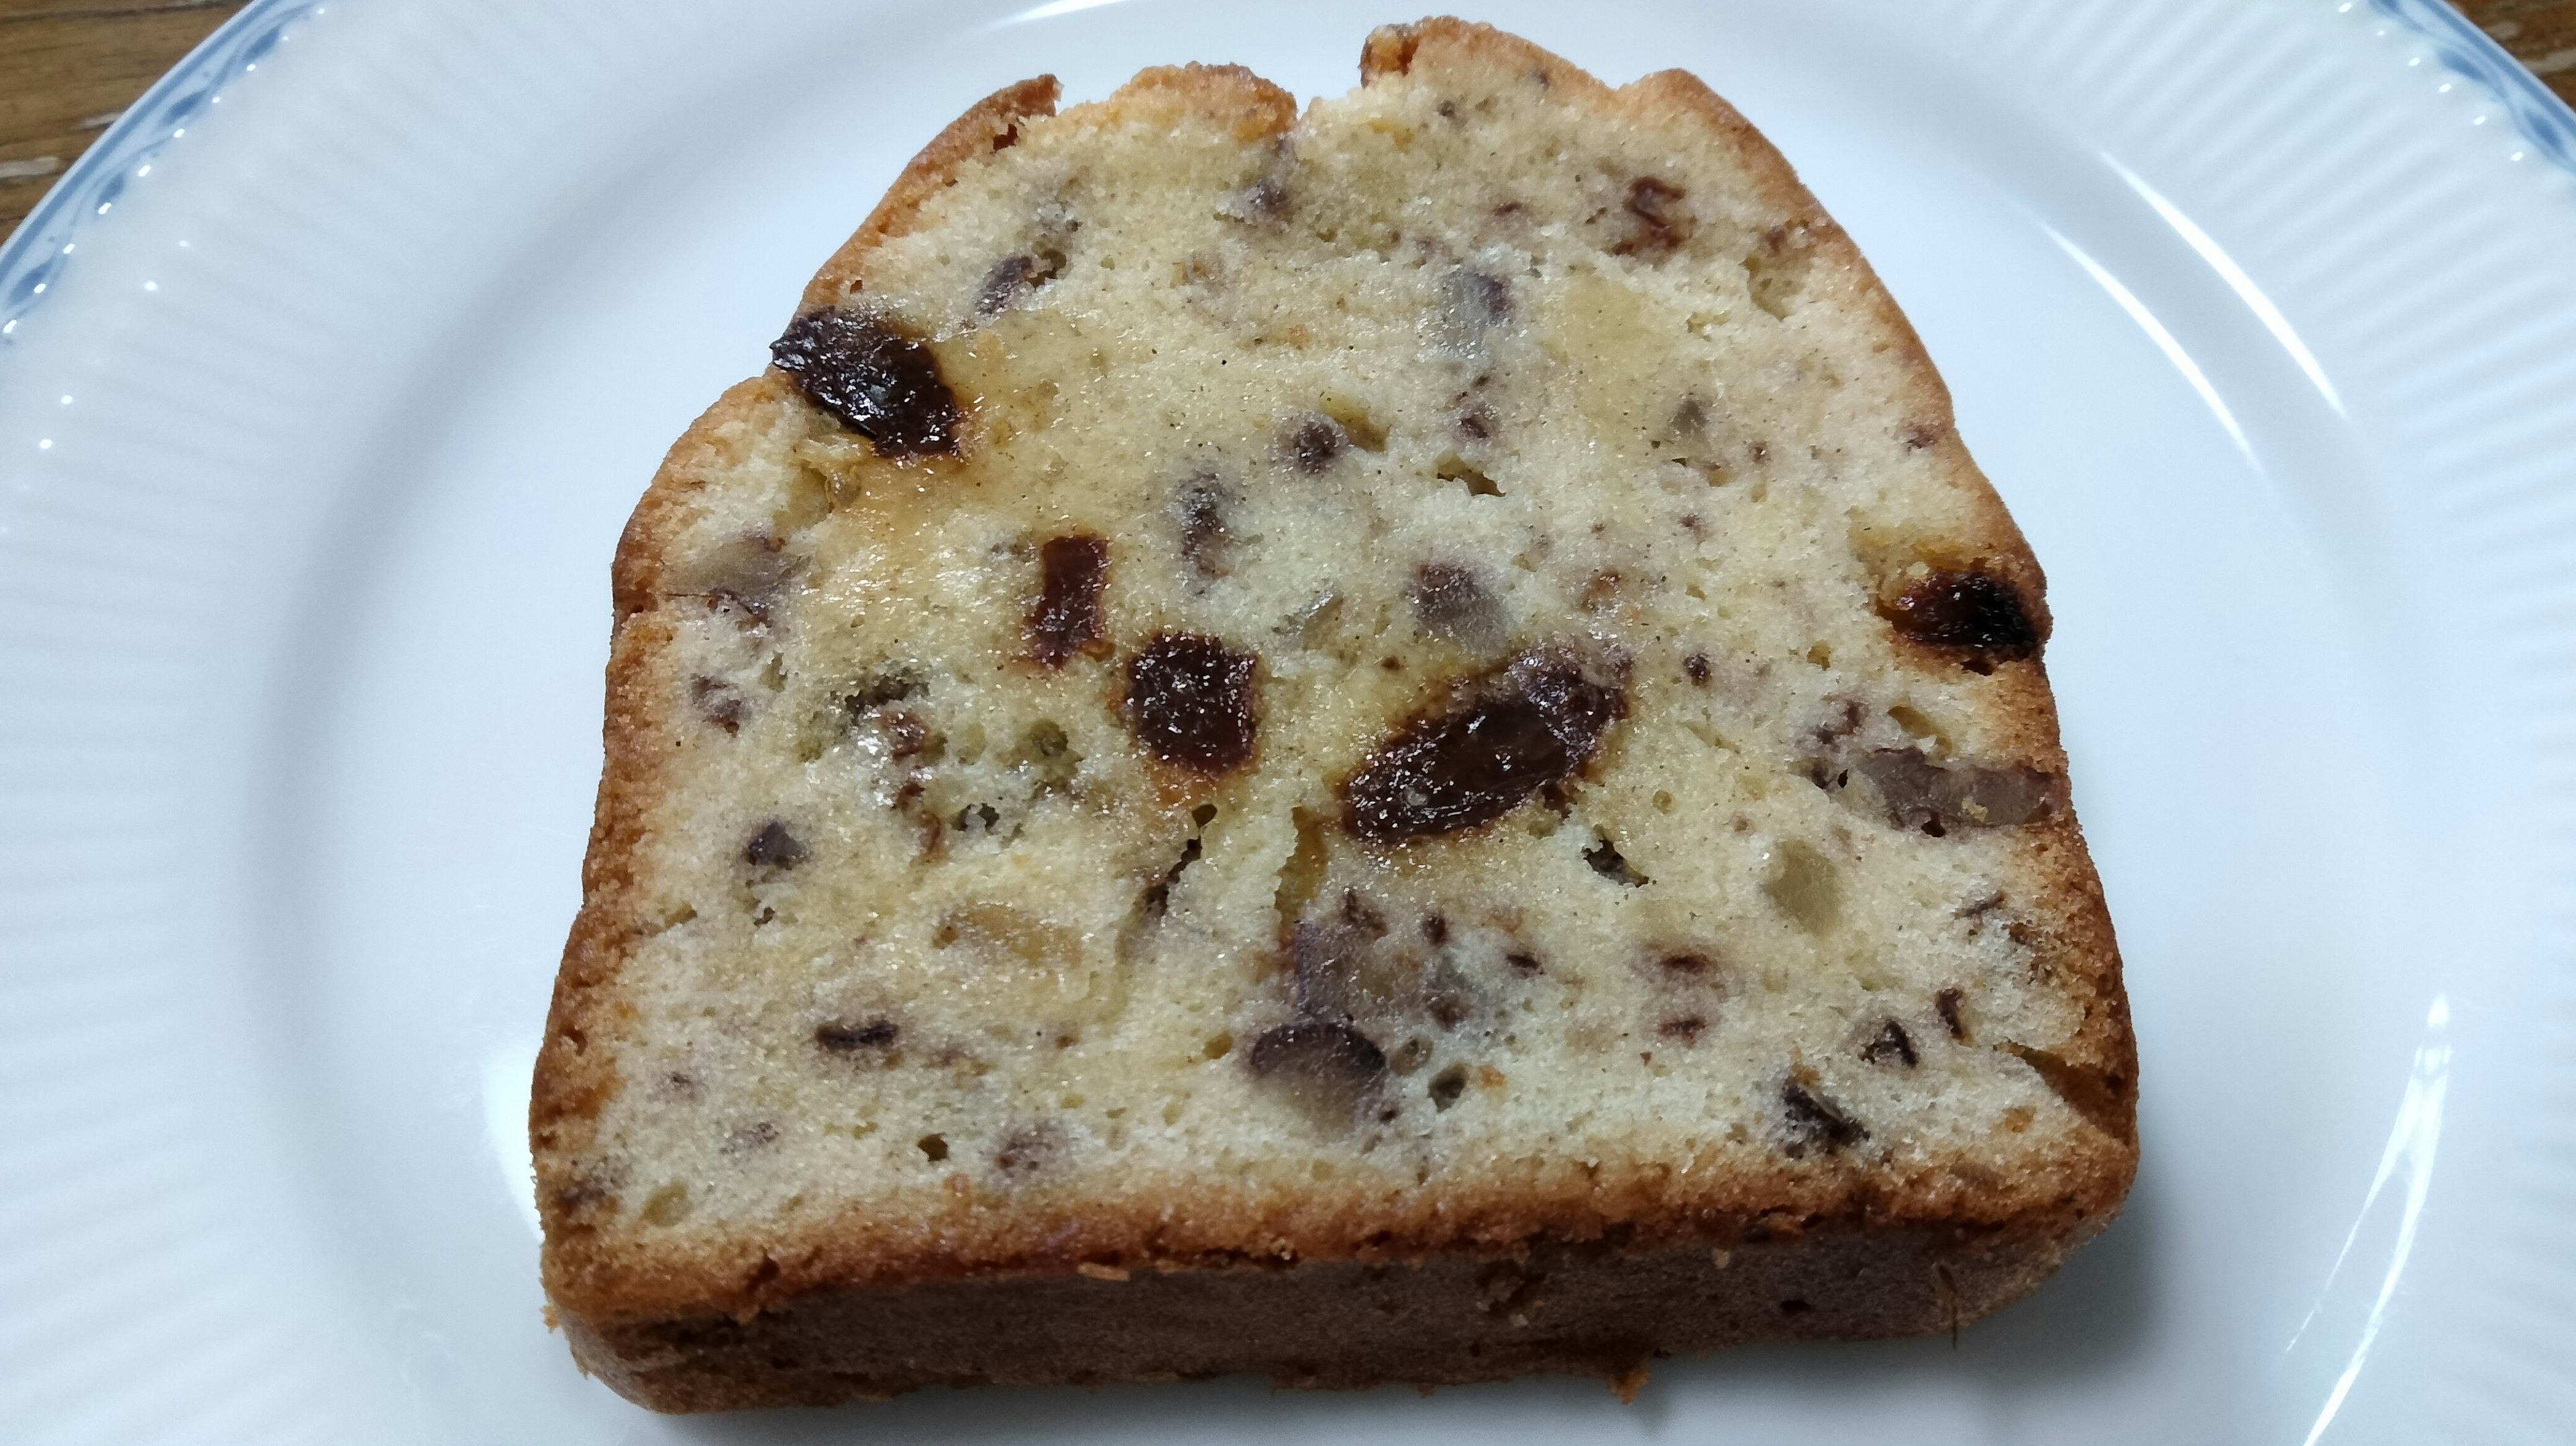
x=1331 y=1324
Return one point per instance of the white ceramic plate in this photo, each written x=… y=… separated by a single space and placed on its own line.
x=326 y=384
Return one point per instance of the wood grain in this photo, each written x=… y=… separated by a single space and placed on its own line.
x=68 y=68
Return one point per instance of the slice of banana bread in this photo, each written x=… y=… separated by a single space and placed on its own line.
x=1392 y=745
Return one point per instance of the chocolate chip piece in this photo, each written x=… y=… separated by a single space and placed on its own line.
x=891 y=686
x=1688 y=964
x=1471 y=303
x=1158 y=899
x=884 y=384
x=1946 y=1004
x=1938 y=798
x=1892 y=1044
x=717 y=702
x=773 y=848
x=1029 y=1148
x=849 y=1036
x=1450 y=601
x=1336 y=971
x=1531 y=723
x=905 y=734
x=1609 y=863
x=1662 y=226
x=740 y=576
x=1067 y=617
x=1435 y=929
x=1327 y=1068
x=1523 y=963
x=1206 y=541
x=1969 y=611
x=1264 y=200
x=1482 y=299
x=1814 y=1120
x=1013 y=276
x=1190 y=702
x=1696 y=665
x=1685 y=1027
x=1314 y=442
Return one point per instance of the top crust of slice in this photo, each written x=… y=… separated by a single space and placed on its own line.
x=600 y=1266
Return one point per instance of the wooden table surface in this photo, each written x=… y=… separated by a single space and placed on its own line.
x=69 y=67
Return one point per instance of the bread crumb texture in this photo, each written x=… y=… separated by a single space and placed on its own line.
x=1425 y=676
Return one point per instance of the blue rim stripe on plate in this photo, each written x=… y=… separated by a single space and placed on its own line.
x=2472 y=54
x=37 y=254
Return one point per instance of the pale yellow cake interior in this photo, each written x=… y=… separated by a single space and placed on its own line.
x=973 y=969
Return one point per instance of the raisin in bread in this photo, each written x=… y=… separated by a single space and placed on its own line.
x=1392 y=745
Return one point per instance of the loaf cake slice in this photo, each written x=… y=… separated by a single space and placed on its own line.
x=1397 y=744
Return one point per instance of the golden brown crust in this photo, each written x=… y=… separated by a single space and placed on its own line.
x=1327 y=1323
x=2025 y=1223
x=989 y=125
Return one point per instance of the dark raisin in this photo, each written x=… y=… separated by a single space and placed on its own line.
x=1970 y=611
x=1684 y=1027
x=1661 y=224
x=1451 y=602
x=1892 y=1044
x=1313 y=443
x=1946 y=1004
x=1013 y=275
x=1327 y=1068
x=1435 y=929
x=1200 y=514
x=1523 y=963
x=1688 y=963
x=1531 y=723
x=1190 y=702
x=773 y=848
x=1067 y=617
x=846 y=1036
x=933 y=1147
x=1696 y=665
x=884 y=384
x=1814 y=1120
